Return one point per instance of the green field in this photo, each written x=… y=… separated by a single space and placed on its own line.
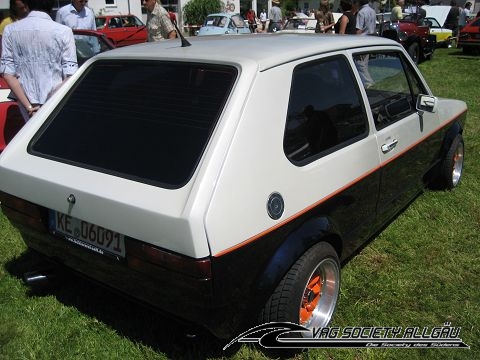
x=422 y=270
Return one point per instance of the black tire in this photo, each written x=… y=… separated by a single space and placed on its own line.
x=414 y=52
x=451 y=167
x=308 y=293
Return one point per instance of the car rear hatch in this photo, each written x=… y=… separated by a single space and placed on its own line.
x=117 y=158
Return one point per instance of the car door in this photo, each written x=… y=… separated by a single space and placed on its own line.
x=134 y=30
x=405 y=146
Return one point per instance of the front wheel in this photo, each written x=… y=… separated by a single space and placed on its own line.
x=308 y=293
x=414 y=52
x=451 y=168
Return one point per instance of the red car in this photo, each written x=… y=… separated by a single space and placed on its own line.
x=469 y=37
x=88 y=43
x=122 y=30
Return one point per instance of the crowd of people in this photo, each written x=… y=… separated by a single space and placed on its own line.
x=38 y=54
x=352 y=13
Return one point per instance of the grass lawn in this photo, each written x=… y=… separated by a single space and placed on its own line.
x=422 y=270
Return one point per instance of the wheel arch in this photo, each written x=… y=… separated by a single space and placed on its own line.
x=301 y=239
x=455 y=129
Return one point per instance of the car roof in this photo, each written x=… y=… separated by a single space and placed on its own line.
x=112 y=15
x=223 y=14
x=266 y=50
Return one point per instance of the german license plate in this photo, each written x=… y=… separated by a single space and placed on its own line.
x=92 y=237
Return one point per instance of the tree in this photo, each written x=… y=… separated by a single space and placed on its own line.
x=195 y=11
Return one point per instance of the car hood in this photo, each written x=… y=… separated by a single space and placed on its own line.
x=439 y=12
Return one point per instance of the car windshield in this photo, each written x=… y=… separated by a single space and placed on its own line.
x=89 y=46
x=100 y=23
x=147 y=121
x=219 y=21
x=433 y=23
x=300 y=24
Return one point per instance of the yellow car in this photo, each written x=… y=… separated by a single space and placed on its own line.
x=444 y=35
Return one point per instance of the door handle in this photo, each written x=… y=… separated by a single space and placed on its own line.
x=389 y=146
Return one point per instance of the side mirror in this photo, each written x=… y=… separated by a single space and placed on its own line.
x=427 y=103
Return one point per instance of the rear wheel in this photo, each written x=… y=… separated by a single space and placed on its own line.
x=451 y=168
x=308 y=293
x=414 y=52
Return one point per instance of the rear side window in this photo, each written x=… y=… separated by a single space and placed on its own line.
x=325 y=110
x=148 y=121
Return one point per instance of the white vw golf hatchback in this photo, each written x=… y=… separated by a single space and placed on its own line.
x=225 y=186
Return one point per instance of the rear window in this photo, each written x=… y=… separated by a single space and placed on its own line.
x=148 y=121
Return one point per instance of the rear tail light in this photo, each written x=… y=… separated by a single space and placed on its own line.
x=140 y=254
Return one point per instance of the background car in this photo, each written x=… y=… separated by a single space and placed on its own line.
x=469 y=37
x=122 y=30
x=413 y=35
x=88 y=42
x=444 y=36
x=224 y=23
x=300 y=24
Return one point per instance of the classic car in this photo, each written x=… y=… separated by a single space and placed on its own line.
x=122 y=30
x=469 y=37
x=299 y=25
x=437 y=15
x=444 y=37
x=224 y=24
x=88 y=42
x=414 y=35
x=200 y=209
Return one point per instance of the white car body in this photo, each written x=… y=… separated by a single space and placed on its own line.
x=211 y=247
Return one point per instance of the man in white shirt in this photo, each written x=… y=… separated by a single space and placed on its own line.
x=366 y=19
x=464 y=14
x=38 y=56
x=77 y=15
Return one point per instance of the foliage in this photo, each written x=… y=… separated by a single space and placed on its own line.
x=195 y=11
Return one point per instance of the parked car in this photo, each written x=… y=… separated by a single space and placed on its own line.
x=413 y=35
x=298 y=24
x=224 y=24
x=437 y=15
x=469 y=37
x=244 y=184
x=88 y=42
x=443 y=36
x=122 y=30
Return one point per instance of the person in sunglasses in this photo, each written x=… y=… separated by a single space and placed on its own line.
x=77 y=15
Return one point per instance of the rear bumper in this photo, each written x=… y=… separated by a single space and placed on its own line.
x=178 y=286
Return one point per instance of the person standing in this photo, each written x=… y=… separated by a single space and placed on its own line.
x=275 y=17
x=252 y=20
x=38 y=56
x=76 y=15
x=346 y=22
x=366 y=25
x=324 y=16
x=451 y=22
x=18 y=10
x=159 y=25
x=263 y=19
x=464 y=14
x=397 y=11
x=366 y=19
